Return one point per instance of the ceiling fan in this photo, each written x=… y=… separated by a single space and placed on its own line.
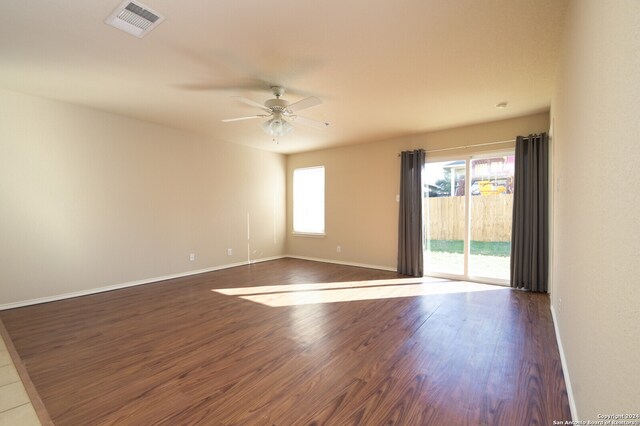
x=281 y=113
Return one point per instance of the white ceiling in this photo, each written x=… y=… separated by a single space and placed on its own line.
x=383 y=68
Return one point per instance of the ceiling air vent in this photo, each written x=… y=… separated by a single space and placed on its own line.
x=134 y=18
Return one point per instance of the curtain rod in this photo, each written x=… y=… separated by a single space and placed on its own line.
x=468 y=146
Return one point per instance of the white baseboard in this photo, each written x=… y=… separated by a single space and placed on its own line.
x=565 y=369
x=340 y=262
x=129 y=284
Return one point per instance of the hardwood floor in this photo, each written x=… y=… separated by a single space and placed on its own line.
x=177 y=353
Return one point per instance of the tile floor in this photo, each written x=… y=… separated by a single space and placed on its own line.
x=15 y=406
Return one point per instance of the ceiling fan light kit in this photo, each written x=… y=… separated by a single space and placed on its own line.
x=280 y=113
x=277 y=126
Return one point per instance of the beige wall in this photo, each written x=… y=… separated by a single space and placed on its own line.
x=362 y=182
x=596 y=123
x=91 y=199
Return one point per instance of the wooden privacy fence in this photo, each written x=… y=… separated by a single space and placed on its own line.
x=490 y=217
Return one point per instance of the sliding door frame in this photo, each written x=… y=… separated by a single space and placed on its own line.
x=468 y=205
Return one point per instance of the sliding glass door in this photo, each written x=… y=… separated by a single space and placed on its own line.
x=491 y=215
x=468 y=221
x=445 y=208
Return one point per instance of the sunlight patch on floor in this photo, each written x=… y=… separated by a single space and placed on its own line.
x=239 y=291
x=307 y=294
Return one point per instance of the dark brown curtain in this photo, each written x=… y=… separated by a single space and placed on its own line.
x=410 y=250
x=530 y=228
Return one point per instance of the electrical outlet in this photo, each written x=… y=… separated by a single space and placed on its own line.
x=338 y=249
x=192 y=257
x=229 y=252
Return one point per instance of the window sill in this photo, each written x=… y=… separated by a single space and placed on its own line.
x=309 y=234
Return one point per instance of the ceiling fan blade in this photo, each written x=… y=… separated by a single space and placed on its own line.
x=310 y=122
x=305 y=103
x=229 y=120
x=252 y=103
x=253 y=85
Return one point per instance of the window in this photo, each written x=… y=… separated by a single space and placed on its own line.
x=308 y=200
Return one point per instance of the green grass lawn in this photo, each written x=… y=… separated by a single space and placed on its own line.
x=484 y=248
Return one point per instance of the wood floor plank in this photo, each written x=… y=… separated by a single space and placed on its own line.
x=176 y=352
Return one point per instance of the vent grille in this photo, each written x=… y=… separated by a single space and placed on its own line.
x=134 y=18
